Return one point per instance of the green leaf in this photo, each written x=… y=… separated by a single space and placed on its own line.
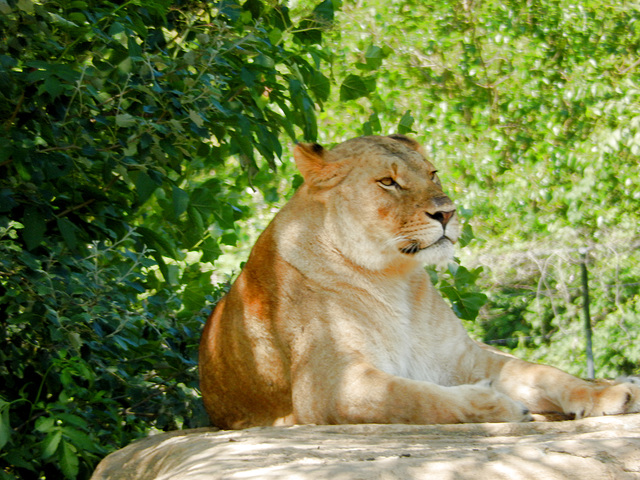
x=26 y=6
x=210 y=250
x=180 y=200
x=34 y=227
x=196 y=220
x=196 y=118
x=53 y=86
x=464 y=277
x=275 y=36
x=466 y=305
x=264 y=61
x=5 y=423
x=19 y=458
x=470 y=305
x=125 y=120
x=224 y=216
x=372 y=125
x=5 y=152
x=68 y=231
x=156 y=241
x=45 y=424
x=205 y=198
x=5 y=9
x=50 y=443
x=63 y=22
x=134 y=49
x=352 y=88
x=173 y=274
x=310 y=29
x=324 y=11
x=69 y=461
x=72 y=419
x=145 y=186
x=373 y=56
x=296 y=182
x=230 y=238
x=310 y=122
x=320 y=86
x=81 y=440
x=405 y=124
x=77 y=18
x=466 y=236
x=64 y=72
x=195 y=292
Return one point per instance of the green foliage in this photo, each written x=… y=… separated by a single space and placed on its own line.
x=131 y=134
x=530 y=110
x=536 y=308
x=141 y=139
x=536 y=101
x=88 y=363
x=466 y=303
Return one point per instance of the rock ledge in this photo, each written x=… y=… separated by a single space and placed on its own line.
x=593 y=448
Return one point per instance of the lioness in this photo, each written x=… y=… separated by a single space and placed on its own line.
x=334 y=320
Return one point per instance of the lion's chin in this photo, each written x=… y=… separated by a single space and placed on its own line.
x=439 y=253
x=414 y=247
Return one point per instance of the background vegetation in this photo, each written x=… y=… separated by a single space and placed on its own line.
x=532 y=110
x=139 y=140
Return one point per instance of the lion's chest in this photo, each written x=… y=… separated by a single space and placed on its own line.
x=402 y=334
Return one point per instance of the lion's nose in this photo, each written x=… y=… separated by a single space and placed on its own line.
x=442 y=217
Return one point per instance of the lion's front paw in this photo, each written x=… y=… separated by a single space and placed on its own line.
x=617 y=399
x=613 y=399
x=488 y=405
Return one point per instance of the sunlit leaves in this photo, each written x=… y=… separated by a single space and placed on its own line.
x=310 y=29
x=373 y=58
x=530 y=112
x=142 y=102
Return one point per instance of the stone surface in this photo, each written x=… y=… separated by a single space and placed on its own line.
x=593 y=448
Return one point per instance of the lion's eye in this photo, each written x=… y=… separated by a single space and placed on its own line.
x=434 y=177
x=388 y=182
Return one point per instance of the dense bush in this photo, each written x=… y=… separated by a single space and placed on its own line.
x=129 y=135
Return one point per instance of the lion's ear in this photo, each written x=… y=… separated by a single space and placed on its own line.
x=314 y=166
x=409 y=142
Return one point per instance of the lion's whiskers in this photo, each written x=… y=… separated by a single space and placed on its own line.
x=398 y=241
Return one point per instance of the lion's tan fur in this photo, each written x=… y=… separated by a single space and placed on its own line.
x=334 y=320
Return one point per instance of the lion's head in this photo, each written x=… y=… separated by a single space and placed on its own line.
x=384 y=201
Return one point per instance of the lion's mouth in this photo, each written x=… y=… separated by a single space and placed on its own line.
x=411 y=249
x=414 y=246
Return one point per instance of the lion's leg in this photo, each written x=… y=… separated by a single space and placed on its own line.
x=545 y=389
x=363 y=394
